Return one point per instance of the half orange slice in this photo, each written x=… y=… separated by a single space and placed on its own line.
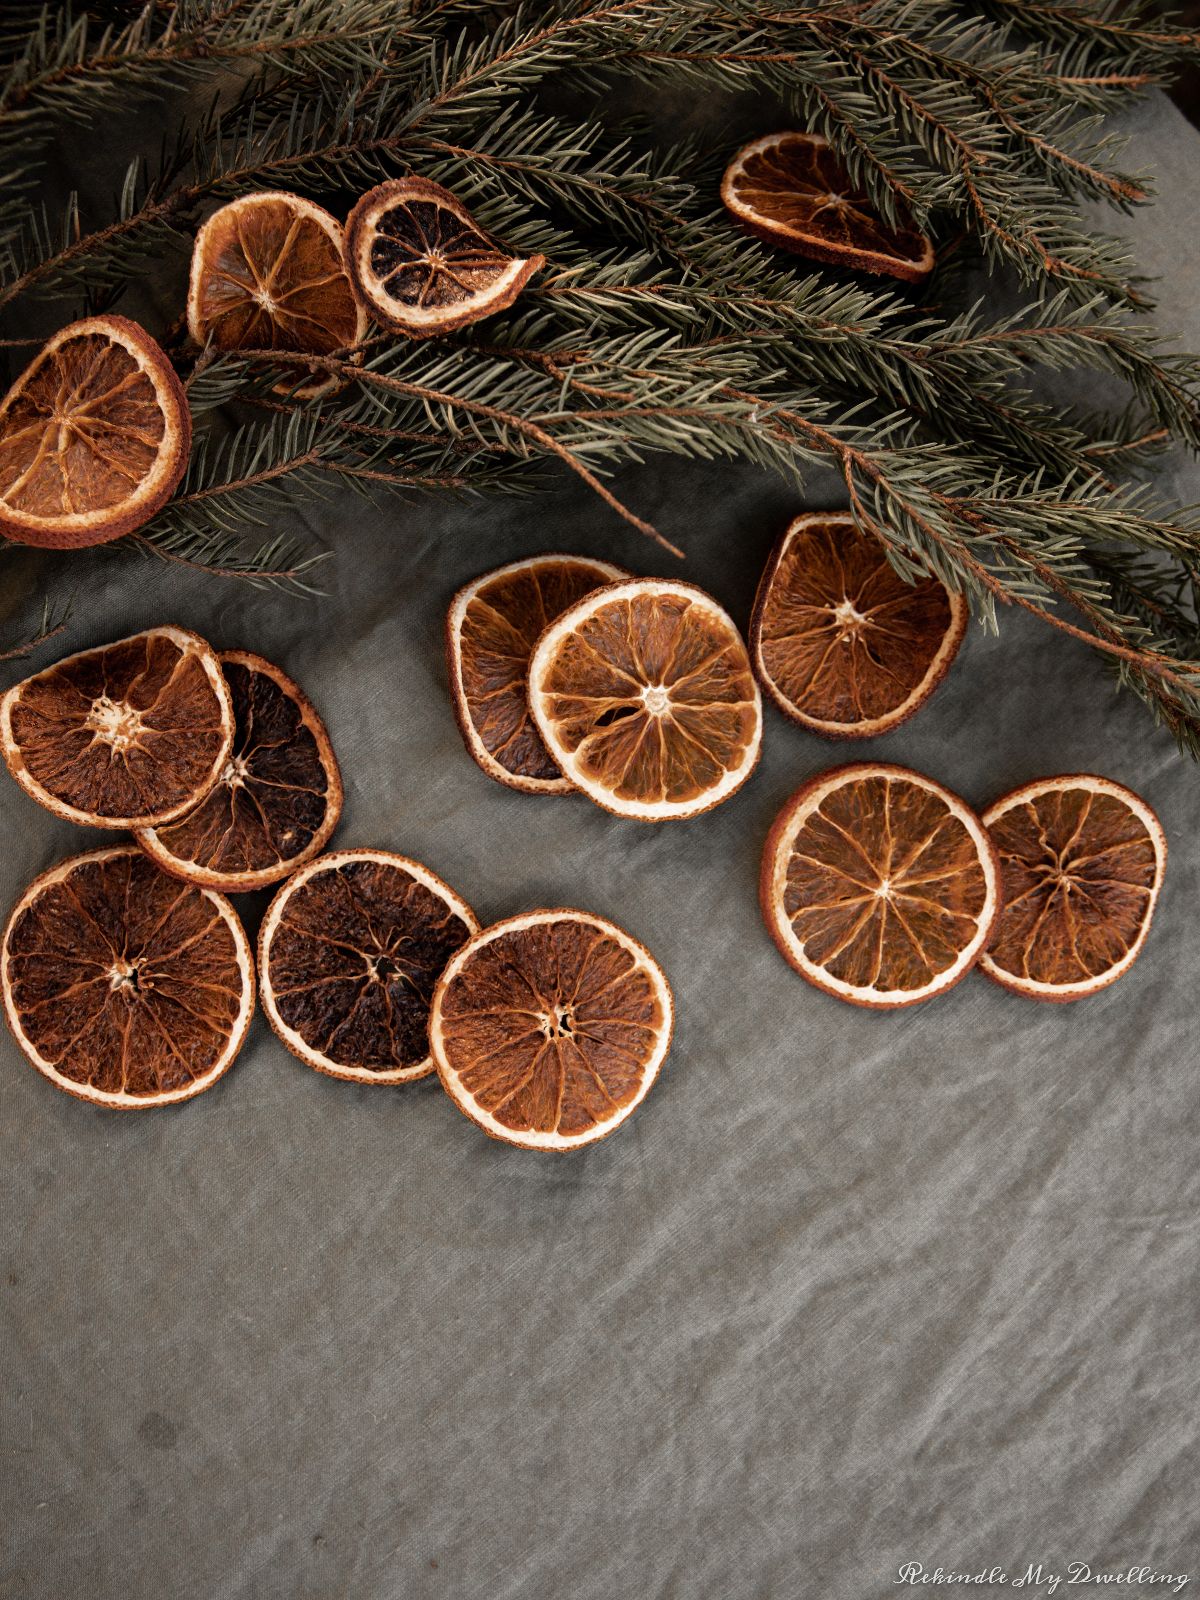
x=277 y=799
x=491 y=629
x=791 y=190
x=130 y=735
x=549 y=1029
x=422 y=265
x=123 y=986
x=349 y=953
x=838 y=639
x=1082 y=861
x=94 y=437
x=644 y=696
x=879 y=885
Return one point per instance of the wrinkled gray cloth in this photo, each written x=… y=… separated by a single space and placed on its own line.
x=850 y=1291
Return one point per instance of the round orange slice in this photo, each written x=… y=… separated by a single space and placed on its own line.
x=791 y=190
x=267 y=274
x=549 y=1029
x=879 y=885
x=130 y=735
x=94 y=437
x=643 y=694
x=123 y=986
x=349 y=953
x=1082 y=861
x=491 y=629
x=278 y=797
x=838 y=639
x=422 y=265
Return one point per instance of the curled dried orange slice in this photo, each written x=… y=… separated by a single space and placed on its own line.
x=278 y=797
x=549 y=1029
x=421 y=263
x=1082 y=861
x=838 y=639
x=792 y=190
x=123 y=986
x=350 y=950
x=267 y=274
x=644 y=696
x=879 y=885
x=491 y=629
x=127 y=736
x=94 y=437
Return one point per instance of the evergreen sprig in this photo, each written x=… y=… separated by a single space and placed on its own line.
x=657 y=326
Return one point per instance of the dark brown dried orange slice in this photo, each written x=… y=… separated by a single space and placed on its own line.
x=1082 y=861
x=879 y=885
x=422 y=265
x=838 y=639
x=277 y=800
x=792 y=190
x=267 y=274
x=644 y=696
x=350 y=950
x=491 y=629
x=123 y=986
x=94 y=437
x=549 y=1029
x=130 y=735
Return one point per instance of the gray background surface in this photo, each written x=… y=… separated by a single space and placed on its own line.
x=850 y=1290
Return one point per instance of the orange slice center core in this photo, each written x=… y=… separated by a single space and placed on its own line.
x=115 y=722
x=849 y=618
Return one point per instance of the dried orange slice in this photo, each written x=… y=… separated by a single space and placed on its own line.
x=549 y=1029
x=422 y=265
x=350 y=950
x=277 y=800
x=127 y=736
x=879 y=885
x=94 y=437
x=792 y=190
x=491 y=629
x=267 y=274
x=1082 y=860
x=644 y=696
x=124 y=986
x=838 y=639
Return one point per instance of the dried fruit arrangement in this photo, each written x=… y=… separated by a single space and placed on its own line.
x=878 y=884
x=128 y=979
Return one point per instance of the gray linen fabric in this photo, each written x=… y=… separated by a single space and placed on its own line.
x=850 y=1290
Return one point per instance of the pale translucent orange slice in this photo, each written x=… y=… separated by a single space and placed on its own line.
x=879 y=885
x=645 y=698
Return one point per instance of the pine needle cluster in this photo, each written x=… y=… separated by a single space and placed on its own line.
x=656 y=325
